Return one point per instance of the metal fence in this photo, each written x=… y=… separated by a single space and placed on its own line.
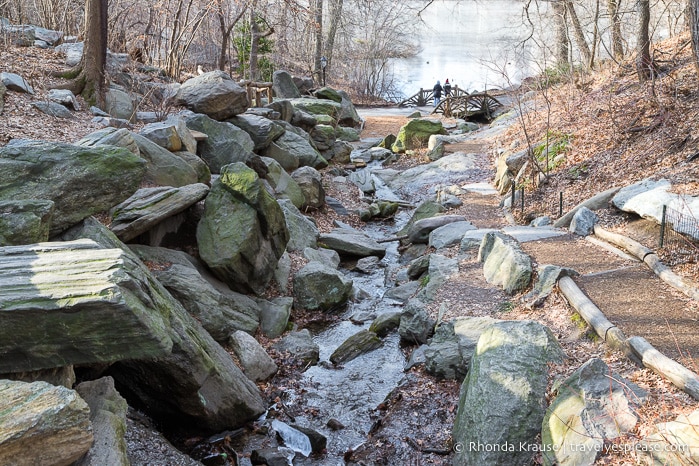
x=679 y=233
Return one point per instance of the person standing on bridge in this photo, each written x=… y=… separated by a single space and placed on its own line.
x=447 y=88
x=437 y=91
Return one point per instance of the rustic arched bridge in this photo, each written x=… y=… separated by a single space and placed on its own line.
x=459 y=104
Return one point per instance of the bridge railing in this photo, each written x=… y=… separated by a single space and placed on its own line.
x=425 y=97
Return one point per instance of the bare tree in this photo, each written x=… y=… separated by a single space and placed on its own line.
x=693 y=13
x=615 y=20
x=644 y=62
x=562 y=43
x=226 y=28
x=578 y=33
x=256 y=35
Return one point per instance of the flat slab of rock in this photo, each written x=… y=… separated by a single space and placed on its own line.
x=149 y=206
x=349 y=243
x=524 y=234
x=41 y=424
x=73 y=303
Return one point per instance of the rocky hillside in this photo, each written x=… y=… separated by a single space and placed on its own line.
x=250 y=228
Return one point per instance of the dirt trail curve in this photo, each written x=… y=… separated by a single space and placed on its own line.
x=629 y=294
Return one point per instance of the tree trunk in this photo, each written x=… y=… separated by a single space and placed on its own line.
x=617 y=42
x=562 y=41
x=578 y=33
x=88 y=76
x=318 y=24
x=225 y=31
x=644 y=63
x=693 y=10
x=335 y=17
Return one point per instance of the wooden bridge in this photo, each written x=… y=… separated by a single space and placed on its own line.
x=460 y=104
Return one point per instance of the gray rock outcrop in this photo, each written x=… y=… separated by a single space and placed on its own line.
x=147 y=207
x=25 y=221
x=225 y=143
x=220 y=311
x=593 y=406
x=87 y=309
x=351 y=243
x=253 y=358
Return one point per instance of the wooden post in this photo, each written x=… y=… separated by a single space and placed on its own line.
x=269 y=94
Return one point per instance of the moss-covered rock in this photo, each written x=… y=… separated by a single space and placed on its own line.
x=416 y=134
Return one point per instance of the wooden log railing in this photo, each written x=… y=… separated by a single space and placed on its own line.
x=256 y=90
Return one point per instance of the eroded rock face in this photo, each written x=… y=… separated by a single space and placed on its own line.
x=242 y=233
x=42 y=425
x=196 y=384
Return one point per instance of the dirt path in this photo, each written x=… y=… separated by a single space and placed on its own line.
x=628 y=293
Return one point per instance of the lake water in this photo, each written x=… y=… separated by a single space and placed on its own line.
x=470 y=42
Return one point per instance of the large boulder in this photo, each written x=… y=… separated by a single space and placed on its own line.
x=120 y=137
x=220 y=311
x=284 y=186
x=262 y=131
x=592 y=406
x=89 y=307
x=300 y=345
x=504 y=262
x=225 y=143
x=318 y=106
x=673 y=442
x=197 y=384
x=81 y=181
x=416 y=134
x=449 y=352
x=303 y=233
x=292 y=150
x=348 y=113
x=42 y=425
x=419 y=231
x=108 y=417
x=503 y=397
x=416 y=325
x=283 y=85
x=150 y=206
x=164 y=168
x=214 y=94
x=356 y=345
x=16 y=83
x=255 y=361
x=120 y=104
x=25 y=221
x=242 y=233
x=319 y=287
x=311 y=183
